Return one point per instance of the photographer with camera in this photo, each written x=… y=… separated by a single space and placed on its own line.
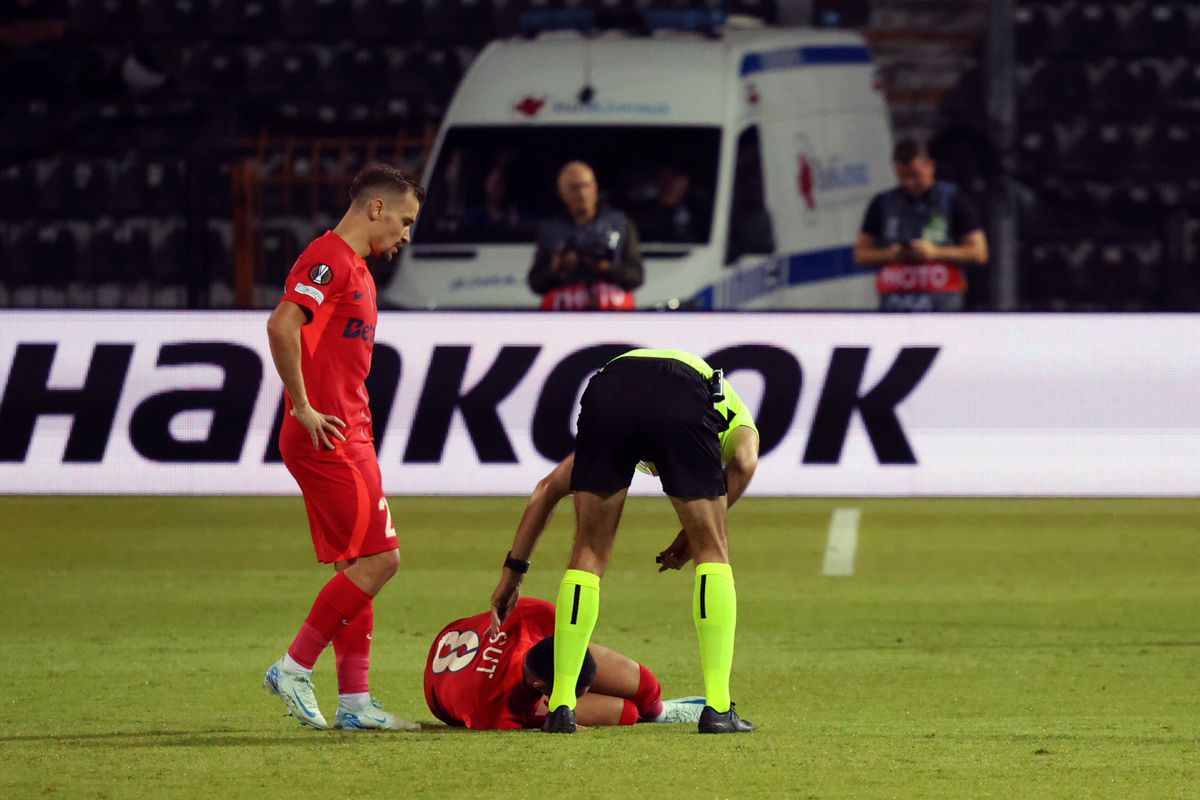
x=589 y=258
x=921 y=237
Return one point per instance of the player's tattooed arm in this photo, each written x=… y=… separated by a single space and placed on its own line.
x=283 y=332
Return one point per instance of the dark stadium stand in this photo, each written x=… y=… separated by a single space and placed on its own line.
x=1109 y=97
x=129 y=143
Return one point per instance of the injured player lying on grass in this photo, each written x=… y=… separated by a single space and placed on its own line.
x=501 y=682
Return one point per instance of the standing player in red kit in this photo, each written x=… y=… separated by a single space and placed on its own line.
x=321 y=335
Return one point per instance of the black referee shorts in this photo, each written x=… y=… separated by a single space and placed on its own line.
x=649 y=409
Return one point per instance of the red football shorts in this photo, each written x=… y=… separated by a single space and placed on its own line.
x=343 y=494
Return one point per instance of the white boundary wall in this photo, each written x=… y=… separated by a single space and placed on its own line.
x=1036 y=405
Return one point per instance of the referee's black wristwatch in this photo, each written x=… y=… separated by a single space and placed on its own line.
x=518 y=565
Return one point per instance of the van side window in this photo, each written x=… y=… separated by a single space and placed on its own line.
x=749 y=220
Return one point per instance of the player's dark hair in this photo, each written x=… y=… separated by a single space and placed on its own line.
x=539 y=662
x=908 y=149
x=385 y=177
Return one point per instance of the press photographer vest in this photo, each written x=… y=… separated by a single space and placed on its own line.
x=904 y=220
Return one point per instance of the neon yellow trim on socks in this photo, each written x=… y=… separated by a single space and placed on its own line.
x=714 y=610
x=574 y=619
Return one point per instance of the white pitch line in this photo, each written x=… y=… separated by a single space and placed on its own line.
x=843 y=542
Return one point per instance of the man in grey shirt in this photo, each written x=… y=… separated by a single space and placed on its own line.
x=589 y=258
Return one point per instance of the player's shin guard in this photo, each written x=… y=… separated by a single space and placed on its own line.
x=339 y=600
x=574 y=620
x=714 y=609
x=352 y=647
x=649 y=695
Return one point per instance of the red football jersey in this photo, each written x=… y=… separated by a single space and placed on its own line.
x=333 y=284
x=479 y=683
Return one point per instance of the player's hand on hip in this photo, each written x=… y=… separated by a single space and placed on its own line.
x=504 y=600
x=319 y=426
x=678 y=553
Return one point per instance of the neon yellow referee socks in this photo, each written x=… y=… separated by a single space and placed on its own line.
x=714 y=608
x=574 y=620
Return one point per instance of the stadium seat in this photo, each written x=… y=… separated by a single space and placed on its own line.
x=1172 y=144
x=100 y=19
x=18 y=191
x=404 y=113
x=439 y=71
x=31 y=122
x=170 y=19
x=169 y=261
x=150 y=185
x=1038 y=144
x=53 y=253
x=214 y=174
x=1047 y=275
x=1184 y=89
x=77 y=186
x=1130 y=273
x=357 y=71
x=214 y=69
x=1059 y=87
x=21 y=268
x=1189 y=197
x=1158 y=27
x=1090 y=29
x=286 y=70
x=130 y=255
x=460 y=22
x=1107 y=146
x=317 y=19
x=1130 y=88
x=279 y=248
x=1034 y=32
x=1136 y=201
x=243 y=19
x=389 y=20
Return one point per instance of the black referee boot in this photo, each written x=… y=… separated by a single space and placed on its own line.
x=713 y=722
x=561 y=720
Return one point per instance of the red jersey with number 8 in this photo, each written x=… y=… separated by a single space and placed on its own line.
x=479 y=683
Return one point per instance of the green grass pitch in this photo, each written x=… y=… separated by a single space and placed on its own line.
x=983 y=648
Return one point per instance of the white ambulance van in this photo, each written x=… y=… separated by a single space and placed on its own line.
x=745 y=160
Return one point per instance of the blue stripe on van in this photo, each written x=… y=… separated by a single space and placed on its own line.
x=794 y=57
x=776 y=273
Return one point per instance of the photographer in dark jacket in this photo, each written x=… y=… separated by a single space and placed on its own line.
x=590 y=258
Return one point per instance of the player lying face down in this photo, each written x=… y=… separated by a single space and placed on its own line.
x=501 y=682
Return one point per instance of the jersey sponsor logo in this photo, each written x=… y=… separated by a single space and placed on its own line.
x=455 y=651
x=311 y=291
x=321 y=274
x=359 y=329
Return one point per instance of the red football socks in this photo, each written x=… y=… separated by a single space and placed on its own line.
x=352 y=646
x=339 y=600
x=629 y=713
x=649 y=695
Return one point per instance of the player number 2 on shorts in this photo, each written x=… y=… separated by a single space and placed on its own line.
x=383 y=506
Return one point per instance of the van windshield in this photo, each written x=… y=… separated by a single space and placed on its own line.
x=495 y=184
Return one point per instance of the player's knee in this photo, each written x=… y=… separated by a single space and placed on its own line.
x=389 y=564
x=382 y=566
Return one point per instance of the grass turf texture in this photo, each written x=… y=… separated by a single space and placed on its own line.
x=982 y=649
